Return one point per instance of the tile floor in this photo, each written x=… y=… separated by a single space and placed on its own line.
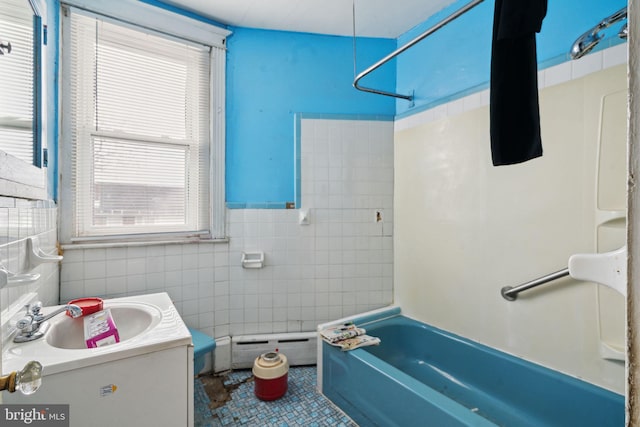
x=302 y=405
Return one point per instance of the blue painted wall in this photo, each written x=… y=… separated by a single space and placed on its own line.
x=455 y=60
x=271 y=75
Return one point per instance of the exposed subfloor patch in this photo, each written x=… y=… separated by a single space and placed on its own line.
x=229 y=400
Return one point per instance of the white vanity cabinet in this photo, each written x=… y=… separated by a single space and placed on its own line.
x=146 y=380
x=153 y=389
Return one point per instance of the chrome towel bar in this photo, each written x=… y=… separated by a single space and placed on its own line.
x=510 y=293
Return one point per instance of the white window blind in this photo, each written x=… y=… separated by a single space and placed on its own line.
x=139 y=130
x=16 y=72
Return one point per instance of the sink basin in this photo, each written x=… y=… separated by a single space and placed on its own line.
x=131 y=320
x=146 y=323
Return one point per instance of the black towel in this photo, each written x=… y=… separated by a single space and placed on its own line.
x=515 y=114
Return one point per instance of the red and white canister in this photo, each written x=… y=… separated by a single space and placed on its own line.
x=271 y=372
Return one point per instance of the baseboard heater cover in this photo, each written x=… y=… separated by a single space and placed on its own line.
x=299 y=347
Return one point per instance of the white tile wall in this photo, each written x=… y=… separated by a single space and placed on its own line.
x=339 y=264
x=20 y=219
x=192 y=274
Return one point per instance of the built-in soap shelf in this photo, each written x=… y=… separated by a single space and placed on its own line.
x=608 y=216
x=35 y=257
x=10 y=279
x=252 y=259
x=611 y=351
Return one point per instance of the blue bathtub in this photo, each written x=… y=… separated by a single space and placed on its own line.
x=422 y=376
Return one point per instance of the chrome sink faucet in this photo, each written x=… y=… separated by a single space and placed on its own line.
x=34 y=324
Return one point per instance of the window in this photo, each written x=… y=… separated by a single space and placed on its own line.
x=20 y=119
x=16 y=66
x=139 y=130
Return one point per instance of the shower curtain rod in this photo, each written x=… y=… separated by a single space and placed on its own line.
x=398 y=51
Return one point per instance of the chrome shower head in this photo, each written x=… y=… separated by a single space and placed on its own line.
x=586 y=42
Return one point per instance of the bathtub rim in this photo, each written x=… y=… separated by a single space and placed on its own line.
x=360 y=319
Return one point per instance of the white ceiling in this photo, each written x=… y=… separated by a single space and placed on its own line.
x=374 y=18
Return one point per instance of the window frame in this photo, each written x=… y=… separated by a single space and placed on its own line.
x=143 y=17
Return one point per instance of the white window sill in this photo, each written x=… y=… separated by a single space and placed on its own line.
x=124 y=244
